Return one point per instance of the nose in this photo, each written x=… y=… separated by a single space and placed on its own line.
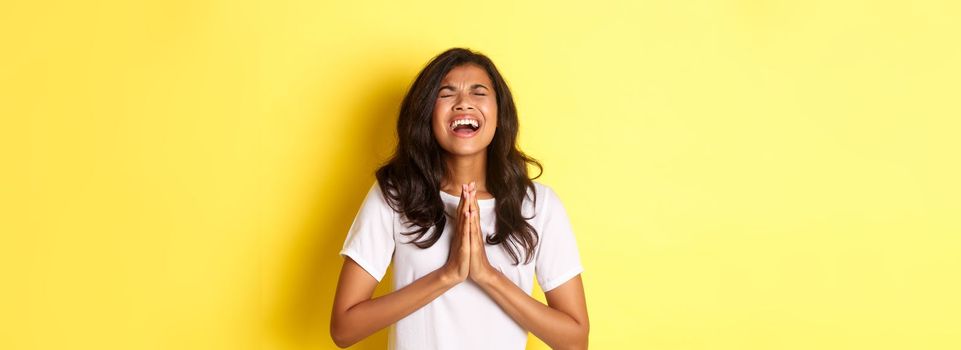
x=463 y=104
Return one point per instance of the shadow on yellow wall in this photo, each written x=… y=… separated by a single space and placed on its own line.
x=303 y=316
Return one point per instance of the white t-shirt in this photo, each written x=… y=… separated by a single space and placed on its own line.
x=464 y=317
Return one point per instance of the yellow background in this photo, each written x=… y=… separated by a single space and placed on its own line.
x=739 y=174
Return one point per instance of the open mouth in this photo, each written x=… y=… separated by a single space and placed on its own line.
x=465 y=127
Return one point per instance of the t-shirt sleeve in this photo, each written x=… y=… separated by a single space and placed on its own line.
x=370 y=240
x=558 y=259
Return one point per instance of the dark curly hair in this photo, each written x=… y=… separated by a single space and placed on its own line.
x=411 y=179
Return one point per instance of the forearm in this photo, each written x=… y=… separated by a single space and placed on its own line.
x=368 y=317
x=557 y=329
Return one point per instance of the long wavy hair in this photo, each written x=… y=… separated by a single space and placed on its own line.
x=411 y=179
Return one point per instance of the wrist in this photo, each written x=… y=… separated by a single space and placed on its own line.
x=486 y=276
x=448 y=275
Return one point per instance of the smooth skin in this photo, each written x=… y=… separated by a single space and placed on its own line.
x=562 y=323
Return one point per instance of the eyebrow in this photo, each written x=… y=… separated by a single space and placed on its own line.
x=449 y=87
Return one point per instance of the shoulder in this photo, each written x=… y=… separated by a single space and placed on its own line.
x=541 y=190
x=375 y=193
x=547 y=198
x=375 y=199
x=544 y=190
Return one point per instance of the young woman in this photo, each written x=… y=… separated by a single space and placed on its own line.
x=466 y=227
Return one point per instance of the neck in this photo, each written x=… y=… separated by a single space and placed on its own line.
x=463 y=170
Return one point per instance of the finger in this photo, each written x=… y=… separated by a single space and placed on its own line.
x=475 y=212
x=466 y=234
x=469 y=200
x=460 y=205
x=464 y=231
x=476 y=235
x=473 y=202
x=473 y=192
x=465 y=226
x=472 y=228
x=464 y=207
x=465 y=198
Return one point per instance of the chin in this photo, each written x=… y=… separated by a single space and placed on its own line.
x=464 y=150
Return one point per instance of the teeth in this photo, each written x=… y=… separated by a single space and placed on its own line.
x=470 y=122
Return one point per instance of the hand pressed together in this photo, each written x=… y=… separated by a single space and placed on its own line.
x=468 y=256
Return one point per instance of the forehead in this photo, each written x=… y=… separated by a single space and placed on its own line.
x=467 y=74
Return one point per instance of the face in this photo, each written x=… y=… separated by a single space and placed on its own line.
x=465 y=111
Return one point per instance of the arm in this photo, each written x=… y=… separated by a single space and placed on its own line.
x=562 y=323
x=356 y=316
